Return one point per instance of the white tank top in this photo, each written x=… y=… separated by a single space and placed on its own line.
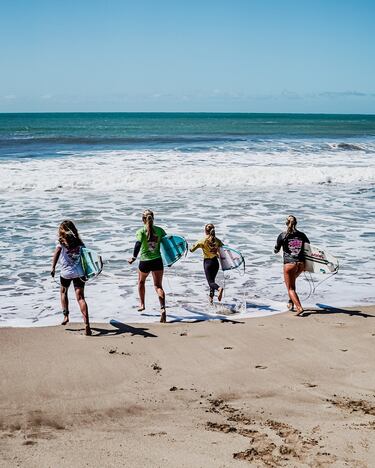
x=70 y=262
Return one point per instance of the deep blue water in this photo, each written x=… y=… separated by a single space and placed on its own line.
x=30 y=135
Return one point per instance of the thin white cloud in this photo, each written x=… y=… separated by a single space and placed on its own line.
x=340 y=94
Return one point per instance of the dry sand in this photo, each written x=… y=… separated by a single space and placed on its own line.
x=277 y=391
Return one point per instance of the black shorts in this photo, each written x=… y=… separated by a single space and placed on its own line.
x=288 y=258
x=145 y=266
x=77 y=282
x=293 y=260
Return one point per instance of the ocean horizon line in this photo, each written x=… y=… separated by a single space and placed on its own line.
x=188 y=113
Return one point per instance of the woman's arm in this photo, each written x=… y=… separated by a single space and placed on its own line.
x=279 y=243
x=196 y=246
x=137 y=248
x=55 y=259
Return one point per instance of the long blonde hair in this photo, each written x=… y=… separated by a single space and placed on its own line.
x=148 y=219
x=68 y=234
x=291 y=223
x=209 y=229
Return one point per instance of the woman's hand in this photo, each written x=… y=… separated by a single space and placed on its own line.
x=131 y=260
x=55 y=259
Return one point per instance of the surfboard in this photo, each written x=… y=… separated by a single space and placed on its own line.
x=230 y=258
x=317 y=260
x=172 y=248
x=92 y=263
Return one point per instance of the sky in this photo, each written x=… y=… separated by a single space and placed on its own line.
x=187 y=56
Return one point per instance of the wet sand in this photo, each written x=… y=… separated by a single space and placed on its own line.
x=276 y=391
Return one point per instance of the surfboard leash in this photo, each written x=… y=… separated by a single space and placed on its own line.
x=325 y=279
x=315 y=286
x=310 y=282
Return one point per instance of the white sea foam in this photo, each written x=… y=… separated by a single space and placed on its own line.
x=246 y=194
x=134 y=170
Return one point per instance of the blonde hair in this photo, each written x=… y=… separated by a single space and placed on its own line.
x=291 y=223
x=68 y=234
x=148 y=219
x=209 y=229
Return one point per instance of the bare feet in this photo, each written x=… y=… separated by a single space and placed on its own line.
x=299 y=312
x=290 y=305
x=211 y=299
x=163 y=316
x=141 y=308
x=220 y=294
x=66 y=317
x=88 y=330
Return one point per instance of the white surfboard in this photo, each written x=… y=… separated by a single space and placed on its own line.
x=317 y=260
x=230 y=258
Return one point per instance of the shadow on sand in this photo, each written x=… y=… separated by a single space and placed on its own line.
x=119 y=328
x=198 y=316
x=198 y=320
x=325 y=309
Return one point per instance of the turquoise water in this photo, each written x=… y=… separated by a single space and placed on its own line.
x=37 y=134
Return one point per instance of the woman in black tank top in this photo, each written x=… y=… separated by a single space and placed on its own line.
x=292 y=242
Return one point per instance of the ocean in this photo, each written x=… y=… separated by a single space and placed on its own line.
x=243 y=172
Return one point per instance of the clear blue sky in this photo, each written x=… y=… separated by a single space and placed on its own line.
x=188 y=55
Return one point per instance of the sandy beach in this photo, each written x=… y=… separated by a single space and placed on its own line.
x=276 y=391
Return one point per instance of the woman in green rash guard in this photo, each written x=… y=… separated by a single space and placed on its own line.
x=148 y=243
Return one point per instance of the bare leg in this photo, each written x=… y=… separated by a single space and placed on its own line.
x=291 y=271
x=141 y=289
x=301 y=268
x=80 y=295
x=64 y=304
x=157 y=276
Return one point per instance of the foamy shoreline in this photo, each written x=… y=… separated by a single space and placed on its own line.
x=281 y=390
x=246 y=189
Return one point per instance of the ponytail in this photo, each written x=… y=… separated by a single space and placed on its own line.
x=148 y=219
x=291 y=223
x=210 y=232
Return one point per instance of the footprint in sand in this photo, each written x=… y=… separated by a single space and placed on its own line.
x=324 y=459
x=29 y=442
x=261 y=367
x=155 y=366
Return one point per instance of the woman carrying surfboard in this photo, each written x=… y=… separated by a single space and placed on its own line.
x=148 y=243
x=292 y=242
x=68 y=251
x=210 y=246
